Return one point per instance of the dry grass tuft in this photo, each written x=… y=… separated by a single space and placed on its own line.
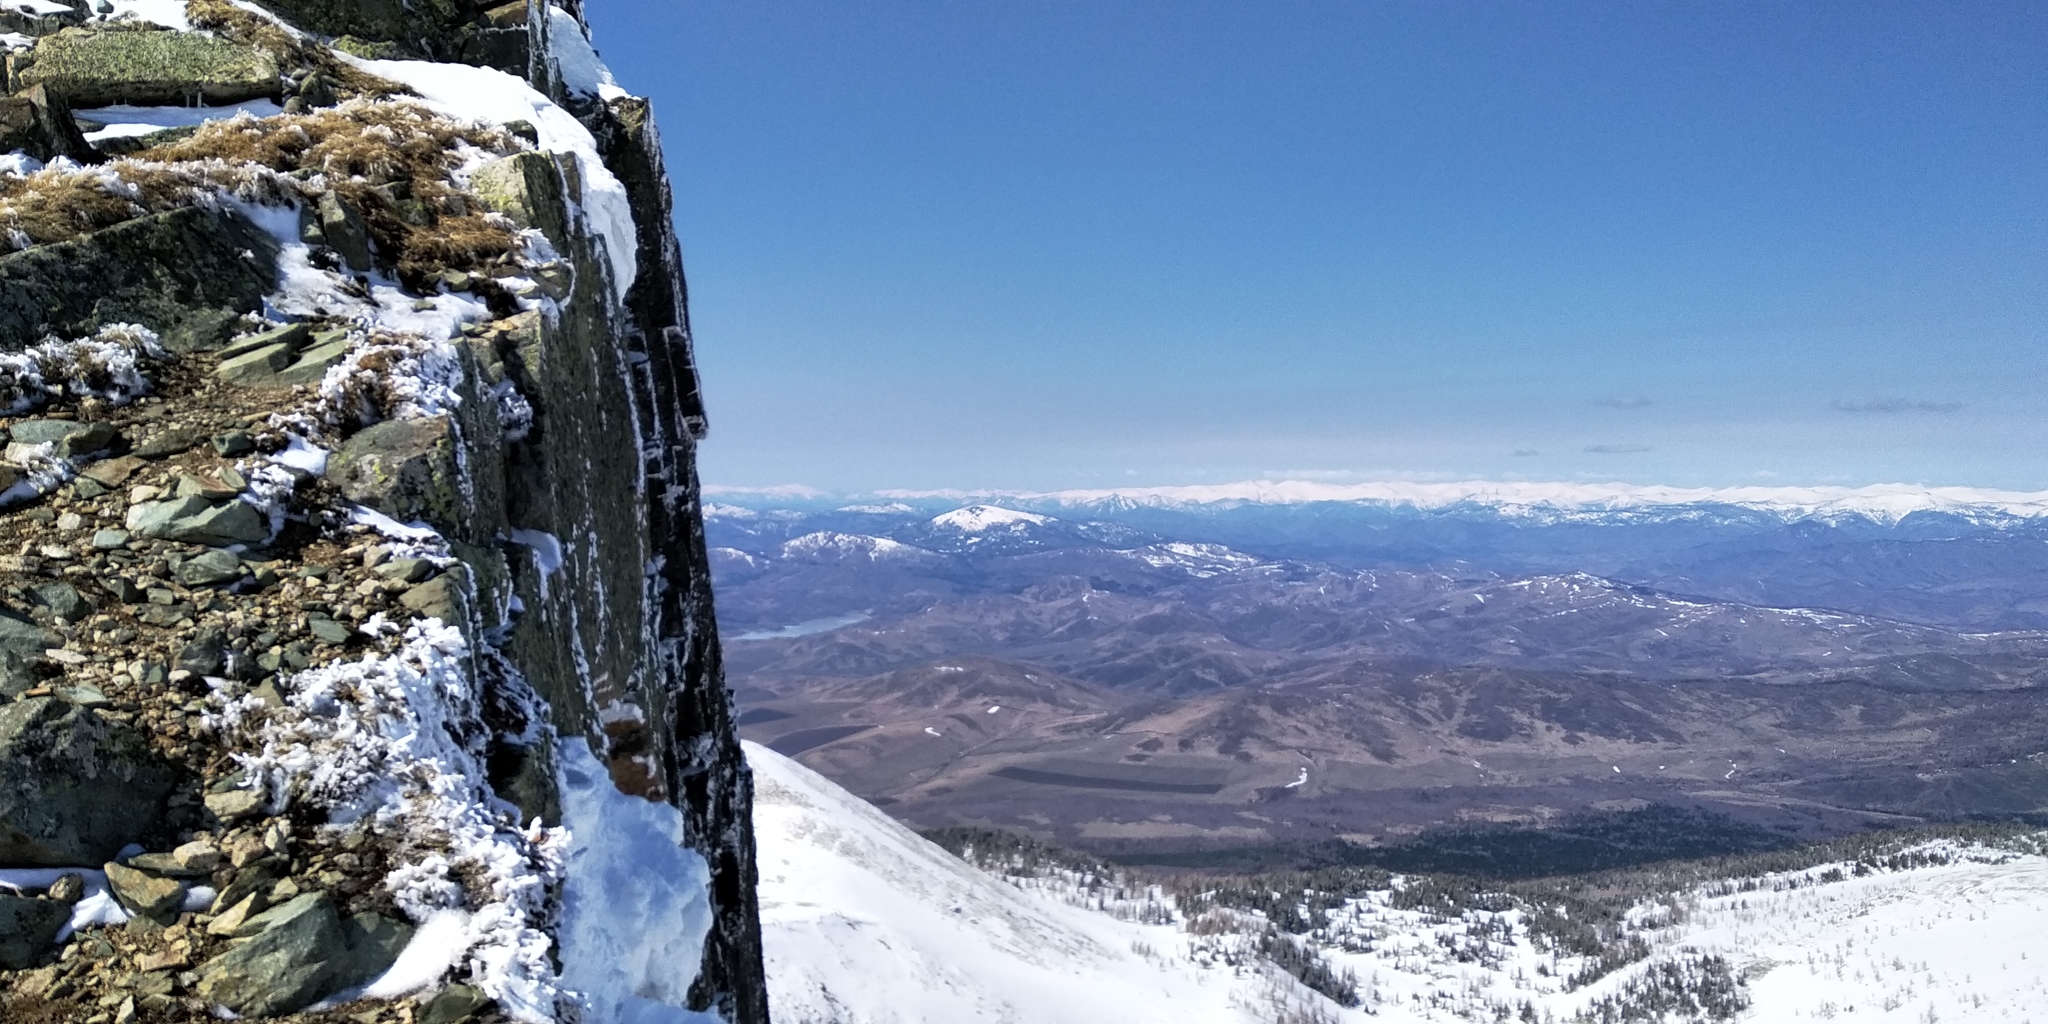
x=57 y=205
x=379 y=142
x=358 y=150
x=392 y=161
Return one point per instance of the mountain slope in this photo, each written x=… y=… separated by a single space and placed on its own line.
x=867 y=923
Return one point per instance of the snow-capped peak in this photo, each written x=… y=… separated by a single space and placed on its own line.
x=977 y=518
x=841 y=545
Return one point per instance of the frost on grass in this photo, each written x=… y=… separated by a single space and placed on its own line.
x=391 y=746
x=105 y=366
x=391 y=376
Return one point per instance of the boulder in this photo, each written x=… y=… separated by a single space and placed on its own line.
x=25 y=639
x=41 y=126
x=144 y=894
x=174 y=441
x=15 y=674
x=44 y=431
x=342 y=227
x=74 y=787
x=96 y=437
x=439 y=598
x=298 y=953
x=235 y=804
x=206 y=654
x=144 y=68
x=454 y=1005
x=39 y=21
x=203 y=330
x=527 y=188
x=257 y=367
x=64 y=601
x=27 y=927
x=208 y=569
x=282 y=357
x=198 y=520
x=284 y=966
x=405 y=469
x=112 y=472
x=158 y=270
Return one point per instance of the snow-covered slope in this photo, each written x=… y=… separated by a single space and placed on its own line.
x=865 y=922
x=980 y=518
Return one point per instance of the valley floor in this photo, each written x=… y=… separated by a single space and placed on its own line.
x=868 y=923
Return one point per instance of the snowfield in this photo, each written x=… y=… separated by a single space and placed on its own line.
x=865 y=922
x=981 y=518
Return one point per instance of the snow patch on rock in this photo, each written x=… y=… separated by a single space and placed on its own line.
x=636 y=902
x=493 y=97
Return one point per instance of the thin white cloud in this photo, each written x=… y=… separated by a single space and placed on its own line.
x=1616 y=449
x=775 y=491
x=1622 y=401
x=1895 y=406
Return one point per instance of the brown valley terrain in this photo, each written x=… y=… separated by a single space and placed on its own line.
x=1149 y=693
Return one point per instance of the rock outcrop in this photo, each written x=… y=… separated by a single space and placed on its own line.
x=349 y=488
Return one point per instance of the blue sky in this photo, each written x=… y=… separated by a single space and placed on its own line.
x=1091 y=243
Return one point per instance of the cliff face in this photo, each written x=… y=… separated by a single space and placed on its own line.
x=351 y=474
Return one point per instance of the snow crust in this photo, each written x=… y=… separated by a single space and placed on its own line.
x=547 y=552
x=979 y=518
x=168 y=13
x=865 y=922
x=582 y=70
x=636 y=902
x=122 y=121
x=491 y=96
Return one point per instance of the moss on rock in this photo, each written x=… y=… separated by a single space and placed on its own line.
x=158 y=270
x=94 y=69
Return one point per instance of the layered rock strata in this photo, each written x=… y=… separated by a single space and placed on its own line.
x=356 y=646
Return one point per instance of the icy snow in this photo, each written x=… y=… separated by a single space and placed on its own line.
x=635 y=902
x=977 y=518
x=123 y=121
x=488 y=95
x=547 y=549
x=865 y=922
x=303 y=456
x=168 y=13
x=582 y=70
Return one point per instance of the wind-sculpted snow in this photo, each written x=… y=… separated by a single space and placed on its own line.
x=867 y=923
x=634 y=905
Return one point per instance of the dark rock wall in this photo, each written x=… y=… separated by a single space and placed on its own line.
x=685 y=742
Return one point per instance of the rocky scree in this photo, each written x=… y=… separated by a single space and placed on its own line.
x=257 y=735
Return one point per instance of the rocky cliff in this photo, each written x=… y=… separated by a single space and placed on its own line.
x=356 y=657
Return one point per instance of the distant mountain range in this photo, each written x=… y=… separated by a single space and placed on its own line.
x=1373 y=667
